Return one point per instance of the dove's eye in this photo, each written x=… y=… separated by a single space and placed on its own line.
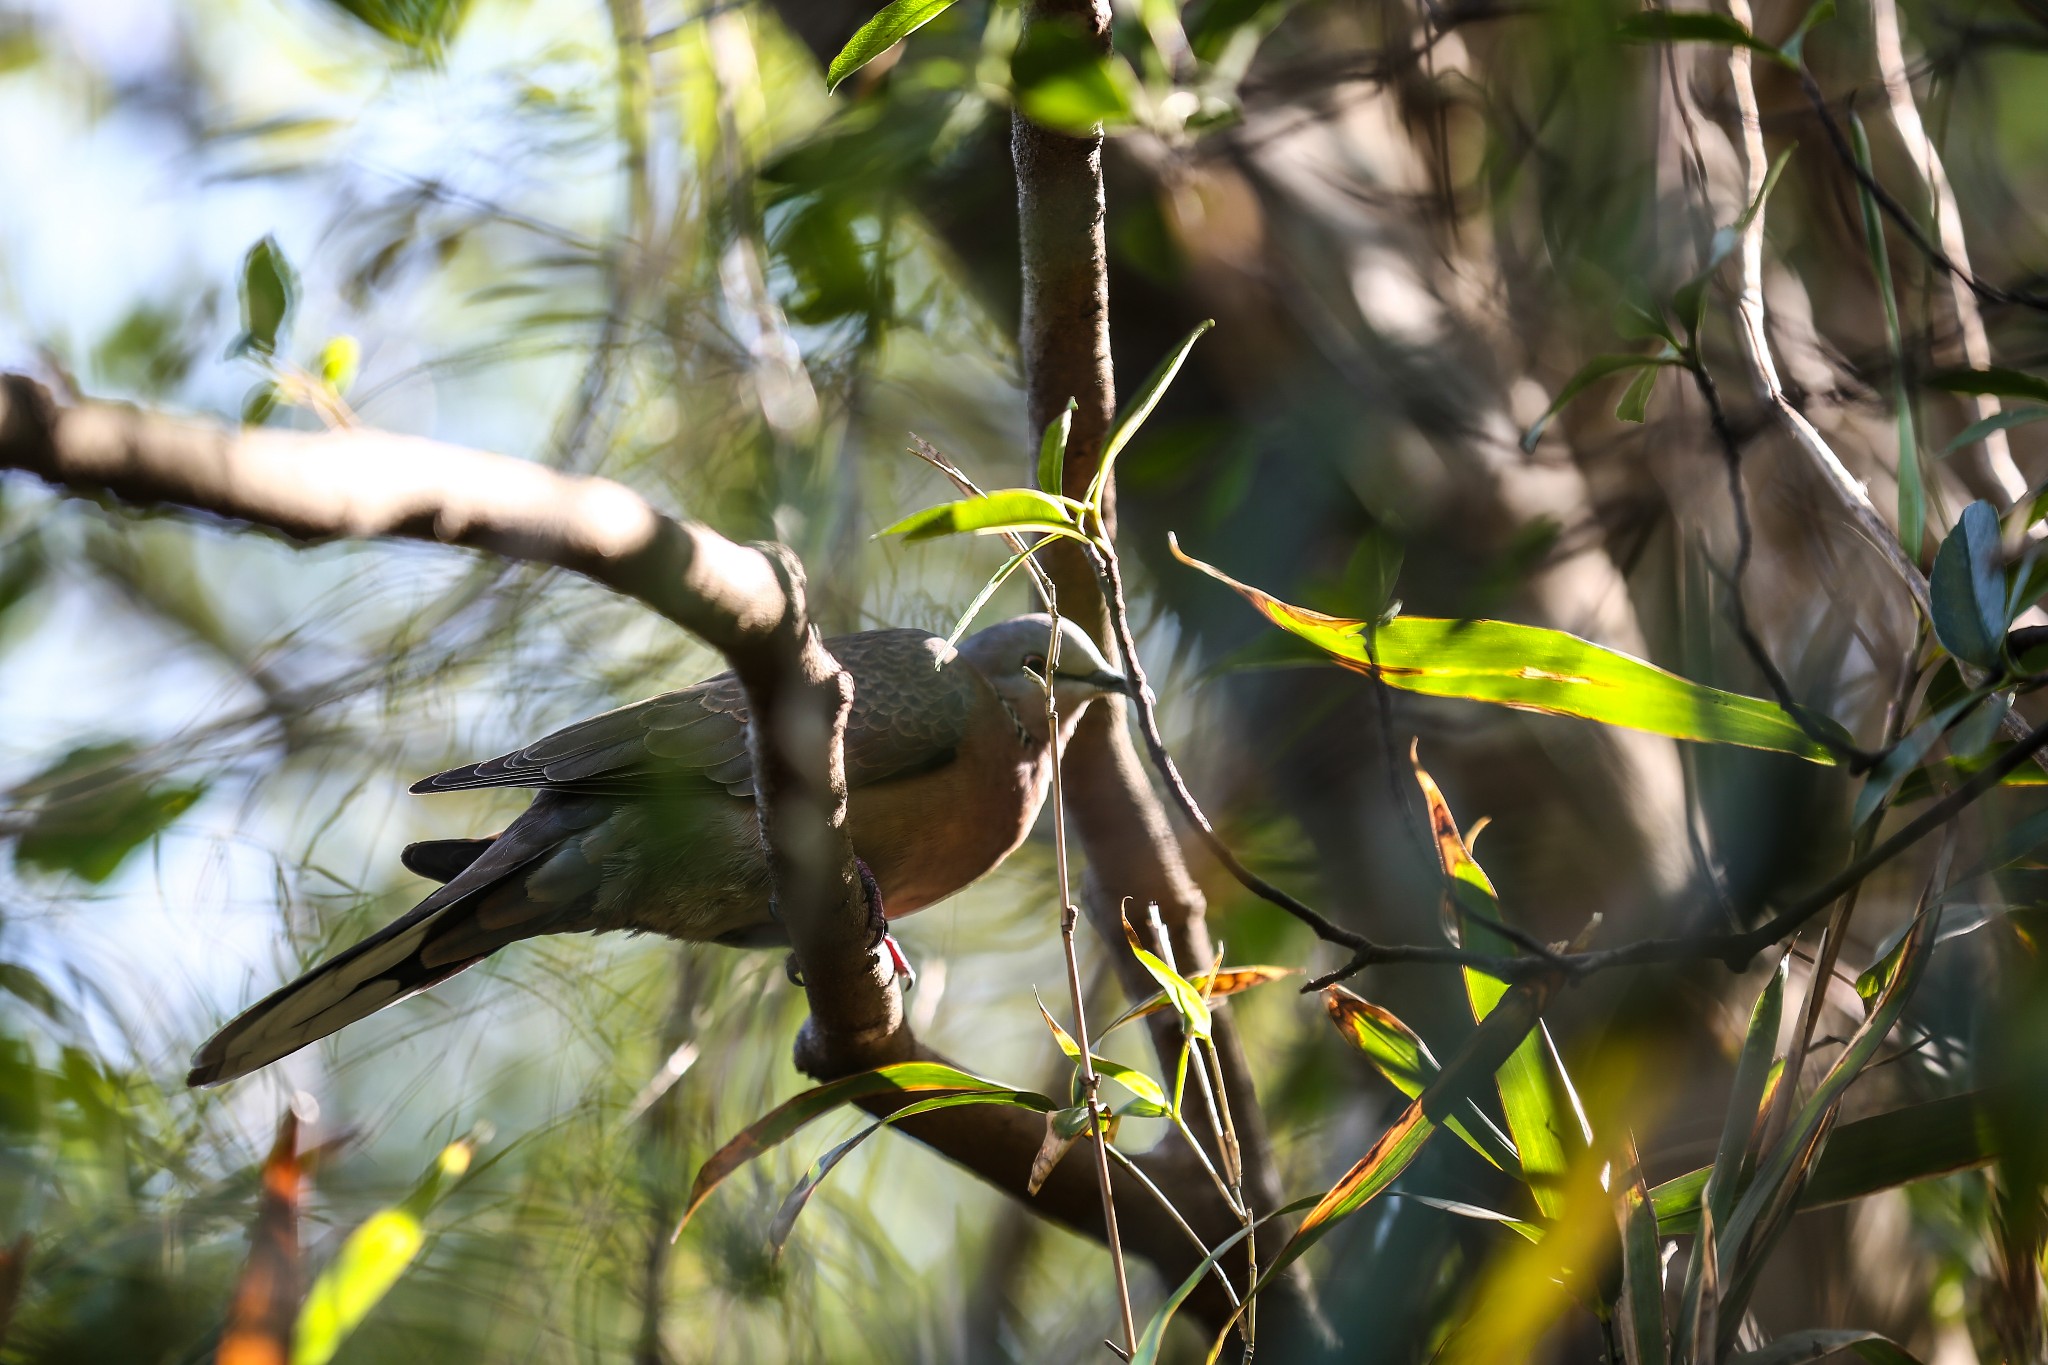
x=1035 y=663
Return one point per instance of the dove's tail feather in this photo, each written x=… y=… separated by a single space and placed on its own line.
x=484 y=907
x=443 y=860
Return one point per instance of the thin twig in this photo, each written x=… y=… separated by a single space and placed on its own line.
x=1091 y=1082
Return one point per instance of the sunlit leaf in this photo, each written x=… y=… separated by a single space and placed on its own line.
x=1521 y=1227
x=1139 y=408
x=1229 y=981
x=425 y=27
x=1635 y=400
x=1642 y=1278
x=1052 y=451
x=896 y=22
x=1967 y=588
x=1534 y=669
x=1398 y=1053
x=369 y=1263
x=793 y=1205
x=1011 y=509
x=93 y=808
x=785 y=1120
x=1064 y=81
x=1693 y=26
x=1185 y=997
x=1130 y=1078
x=1536 y=1095
x=339 y=360
x=989 y=589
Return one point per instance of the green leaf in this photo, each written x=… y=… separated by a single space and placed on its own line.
x=94 y=807
x=1746 y=1096
x=1152 y=1339
x=340 y=358
x=785 y=1120
x=1635 y=400
x=369 y=1263
x=793 y=1205
x=1229 y=981
x=1668 y=26
x=1009 y=509
x=1130 y=1078
x=1542 y=1112
x=988 y=590
x=1690 y=299
x=1912 y=480
x=1591 y=373
x=1534 y=669
x=425 y=27
x=1185 y=998
x=1794 y=48
x=1527 y=1231
x=1139 y=408
x=1398 y=1053
x=1065 y=82
x=1052 y=451
x=1905 y=756
x=1997 y=383
x=1968 y=590
x=1997 y=421
x=1642 y=1278
x=1820 y=1344
x=270 y=288
x=896 y=22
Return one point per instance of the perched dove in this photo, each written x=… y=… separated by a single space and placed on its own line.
x=645 y=821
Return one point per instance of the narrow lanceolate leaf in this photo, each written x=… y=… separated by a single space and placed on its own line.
x=896 y=22
x=1642 y=1278
x=1796 y=1347
x=260 y=1318
x=1788 y=1161
x=1967 y=588
x=1995 y=383
x=1153 y=1338
x=1907 y=755
x=1139 y=408
x=1521 y=1227
x=1182 y=994
x=1052 y=451
x=1692 y=1336
x=1752 y=1075
x=1228 y=981
x=786 y=1216
x=1675 y=26
x=1592 y=372
x=1398 y=1053
x=1505 y=1028
x=988 y=590
x=1998 y=421
x=1010 y=509
x=369 y=1263
x=1912 y=482
x=1535 y=1094
x=1130 y=1078
x=784 y=1121
x=1533 y=669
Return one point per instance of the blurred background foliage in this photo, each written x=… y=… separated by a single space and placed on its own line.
x=640 y=239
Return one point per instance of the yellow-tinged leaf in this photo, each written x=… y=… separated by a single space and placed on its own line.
x=1227 y=981
x=370 y=1262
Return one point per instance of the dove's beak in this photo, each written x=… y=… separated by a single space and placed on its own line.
x=1105 y=680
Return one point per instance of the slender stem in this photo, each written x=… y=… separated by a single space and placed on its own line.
x=1229 y=1289
x=1090 y=1081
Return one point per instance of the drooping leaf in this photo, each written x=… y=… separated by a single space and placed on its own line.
x=1635 y=400
x=1052 y=451
x=1534 y=669
x=1228 y=981
x=270 y=288
x=1591 y=373
x=1967 y=589
x=370 y=1262
x=1692 y=26
x=1010 y=509
x=1398 y=1053
x=1996 y=383
x=793 y=1205
x=2003 y=420
x=897 y=21
x=1139 y=408
x=424 y=27
x=1822 y=1344
x=988 y=590
x=785 y=1120
x=1521 y=1227
x=1794 y=47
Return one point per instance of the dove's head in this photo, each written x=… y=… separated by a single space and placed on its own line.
x=1012 y=656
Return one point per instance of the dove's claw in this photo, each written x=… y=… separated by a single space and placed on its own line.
x=793 y=969
x=878 y=920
